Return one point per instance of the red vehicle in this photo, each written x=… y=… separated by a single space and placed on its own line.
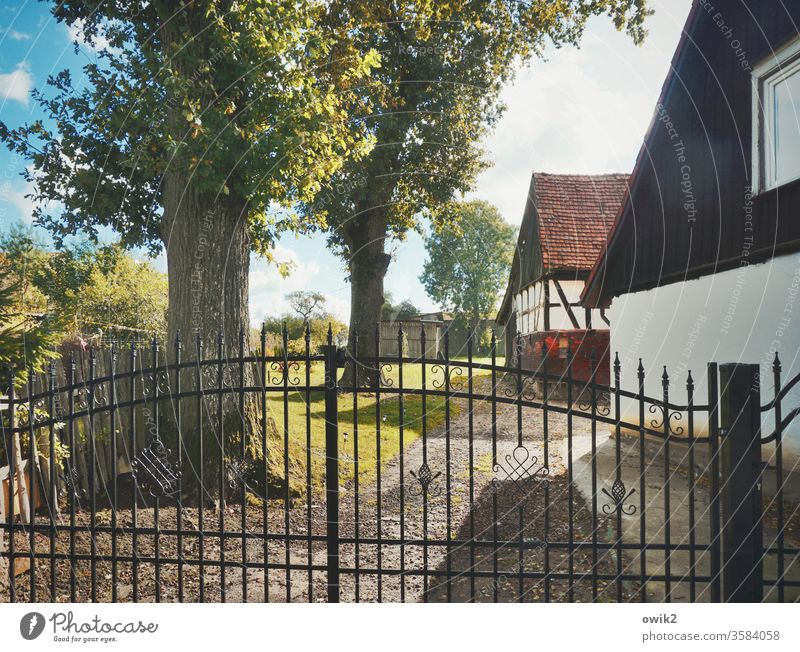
x=585 y=346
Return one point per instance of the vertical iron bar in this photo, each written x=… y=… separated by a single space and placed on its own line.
x=242 y=464
x=33 y=485
x=178 y=425
x=378 y=478
x=53 y=497
x=776 y=371
x=471 y=435
x=332 y=467
x=13 y=488
x=221 y=471
x=309 y=544
x=201 y=491
x=495 y=560
x=401 y=424
x=595 y=523
x=92 y=473
x=286 y=495
x=618 y=470
x=570 y=485
x=494 y=399
x=520 y=521
x=114 y=479
x=667 y=506
x=642 y=488
x=546 y=445
x=425 y=463
x=265 y=453
x=713 y=439
x=155 y=416
x=448 y=463
x=135 y=482
x=356 y=506
x=692 y=482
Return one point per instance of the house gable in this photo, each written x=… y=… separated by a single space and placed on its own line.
x=691 y=209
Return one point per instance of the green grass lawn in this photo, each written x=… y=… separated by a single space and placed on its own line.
x=299 y=413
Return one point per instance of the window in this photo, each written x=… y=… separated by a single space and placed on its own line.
x=776 y=142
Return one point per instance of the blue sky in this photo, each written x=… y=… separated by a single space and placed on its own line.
x=580 y=110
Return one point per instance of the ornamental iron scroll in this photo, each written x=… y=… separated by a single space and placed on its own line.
x=601 y=402
x=155 y=381
x=668 y=415
x=449 y=375
x=425 y=477
x=237 y=471
x=619 y=496
x=384 y=375
x=72 y=478
x=285 y=371
x=153 y=471
x=523 y=473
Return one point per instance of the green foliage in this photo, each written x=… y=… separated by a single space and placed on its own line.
x=436 y=96
x=245 y=99
x=27 y=341
x=296 y=328
x=118 y=292
x=402 y=310
x=28 y=333
x=88 y=287
x=469 y=256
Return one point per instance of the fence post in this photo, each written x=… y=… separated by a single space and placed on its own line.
x=332 y=364
x=742 y=545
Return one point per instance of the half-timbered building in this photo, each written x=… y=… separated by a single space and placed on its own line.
x=564 y=227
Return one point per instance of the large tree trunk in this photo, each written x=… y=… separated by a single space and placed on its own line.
x=369 y=262
x=208 y=262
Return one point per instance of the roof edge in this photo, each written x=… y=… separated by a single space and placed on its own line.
x=593 y=295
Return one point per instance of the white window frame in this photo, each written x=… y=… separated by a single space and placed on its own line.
x=782 y=64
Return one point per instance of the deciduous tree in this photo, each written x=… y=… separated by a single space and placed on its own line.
x=469 y=257
x=196 y=120
x=433 y=100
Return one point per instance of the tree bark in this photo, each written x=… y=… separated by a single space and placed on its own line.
x=368 y=263
x=208 y=264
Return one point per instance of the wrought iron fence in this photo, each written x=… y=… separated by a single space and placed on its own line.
x=153 y=474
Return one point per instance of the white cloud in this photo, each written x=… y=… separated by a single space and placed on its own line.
x=14 y=205
x=14 y=35
x=23 y=204
x=17 y=85
x=582 y=111
x=268 y=288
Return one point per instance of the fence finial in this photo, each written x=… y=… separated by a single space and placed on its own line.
x=617 y=365
x=665 y=378
x=689 y=381
x=776 y=364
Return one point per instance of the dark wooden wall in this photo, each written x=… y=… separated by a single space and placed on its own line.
x=661 y=238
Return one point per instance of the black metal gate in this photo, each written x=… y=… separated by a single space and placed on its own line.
x=455 y=479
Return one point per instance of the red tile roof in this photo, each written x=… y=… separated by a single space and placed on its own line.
x=576 y=213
